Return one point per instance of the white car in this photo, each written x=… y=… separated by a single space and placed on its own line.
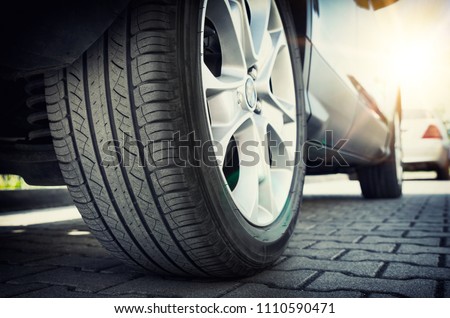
x=425 y=142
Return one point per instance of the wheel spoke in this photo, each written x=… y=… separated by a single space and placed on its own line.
x=248 y=46
x=276 y=95
x=285 y=133
x=284 y=141
x=260 y=11
x=227 y=17
x=222 y=133
x=274 y=85
x=273 y=43
x=280 y=185
x=261 y=138
x=223 y=109
x=266 y=201
x=273 y=115
x=246 y=193
x=288 y=108
x=212 y=84
x=255 y=173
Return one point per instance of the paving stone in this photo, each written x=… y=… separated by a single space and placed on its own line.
x=304 y=227
x=57 y=292
x=435 y=221
x=82 y=262
x=27 y=247
x=372 y=219
x=35 y=247
x=281 y=279
x=121 y=268
x=447 y=289
x=316 y=230
x=427 y=234
x=415 y=249
x=379 y=295
x=319 y=254
x=66 y=292
x=360 y=226
x=263 y=291
x=400 y=240
x=377 y=233
x=88 y=239
x=89 y=251
x=409 y=288
x=359 y=268
x=391 y=222
x=18 y=258
x=419 y=259
x=427 y=228
x=159 y=287
x=301 y=244
x=280 y=260
x=334 y=238
x=8 y=272
x=82 y=281
x=404 y=271
x=10 y=290
x=355 y=246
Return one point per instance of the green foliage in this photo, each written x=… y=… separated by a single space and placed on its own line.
x=11 y=182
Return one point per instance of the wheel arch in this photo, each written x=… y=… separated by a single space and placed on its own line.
x=300 y=15
x=51 y=34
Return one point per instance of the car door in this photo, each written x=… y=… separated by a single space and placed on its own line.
x=332 y=97
x=370 y=135
x=342 y=108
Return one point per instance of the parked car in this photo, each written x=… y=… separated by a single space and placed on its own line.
x=425 y=142
x=184 y=129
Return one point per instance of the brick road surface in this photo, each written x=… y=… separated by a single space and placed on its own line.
x=344 y=246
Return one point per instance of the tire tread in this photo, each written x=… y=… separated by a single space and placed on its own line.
x=126 y=85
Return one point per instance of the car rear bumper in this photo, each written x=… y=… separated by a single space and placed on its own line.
x=424 y=153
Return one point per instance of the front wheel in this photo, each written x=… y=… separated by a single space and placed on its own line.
x=178 y=135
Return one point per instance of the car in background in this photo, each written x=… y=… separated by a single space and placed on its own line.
x=425 y=142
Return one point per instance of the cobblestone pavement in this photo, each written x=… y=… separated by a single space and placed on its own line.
x=344 y=246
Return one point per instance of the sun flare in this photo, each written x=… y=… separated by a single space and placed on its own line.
x=412 y=63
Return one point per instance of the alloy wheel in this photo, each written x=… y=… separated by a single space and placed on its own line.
x=249 y=89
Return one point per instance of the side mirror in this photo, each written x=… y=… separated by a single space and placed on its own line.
x=364 y=4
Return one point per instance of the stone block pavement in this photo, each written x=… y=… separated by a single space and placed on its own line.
x=343 y=246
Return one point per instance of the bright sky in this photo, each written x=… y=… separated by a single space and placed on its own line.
x=422 y=56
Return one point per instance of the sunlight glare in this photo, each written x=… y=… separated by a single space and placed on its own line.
x=411 y=63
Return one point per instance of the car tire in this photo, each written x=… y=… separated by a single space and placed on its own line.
x=442 y=171
x=121 y=119
x=384 y=180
